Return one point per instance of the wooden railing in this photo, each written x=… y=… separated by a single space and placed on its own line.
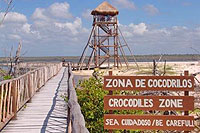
x=16 y=92
x=34 y=64
x=76 y=121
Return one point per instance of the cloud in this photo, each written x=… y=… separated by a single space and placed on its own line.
x=54 y=35
x=51 y=31
x=26 y=28
x=146 y=39
x=128 y=4
x=13 y=17
x=54 y=11
x=72 y=27
x=139 y=29
x=134 y=29
x=60 y=10
x=151 y=10
x=56 y=20
x=87 y=14
x=39 y=14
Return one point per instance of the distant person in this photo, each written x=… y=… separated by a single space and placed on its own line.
x=63 y=61
x=102 y=18
x=108 y=18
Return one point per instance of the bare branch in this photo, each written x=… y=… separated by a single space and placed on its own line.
x=18 y=52
x=24 y=53
x=7 y=10
x=11 y=61
x=16 y=60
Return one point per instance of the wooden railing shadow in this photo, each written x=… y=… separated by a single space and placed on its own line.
x=56 y=119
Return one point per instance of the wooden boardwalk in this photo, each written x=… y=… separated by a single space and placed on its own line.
x=46 y=112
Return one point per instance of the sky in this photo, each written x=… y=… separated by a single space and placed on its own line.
x=62 y=27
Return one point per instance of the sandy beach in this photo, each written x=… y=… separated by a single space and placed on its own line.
x=172 y=68
x=145 y=68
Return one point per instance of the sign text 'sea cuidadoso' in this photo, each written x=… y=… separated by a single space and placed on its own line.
x=174 y=83
x=149 y=122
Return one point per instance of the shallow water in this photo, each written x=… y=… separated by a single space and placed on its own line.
x=4 y=67
x=79 y=77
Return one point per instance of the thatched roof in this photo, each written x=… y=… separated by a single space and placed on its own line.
x=105 y=9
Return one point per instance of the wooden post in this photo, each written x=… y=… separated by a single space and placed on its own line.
x=164 y=71
x=30 y=91
x=154 y=67
x=186 y=93
x=110 y=93
x=69 y=130
x=8 y=99
x=1 y=102
x=14 y=95
x=5 y=102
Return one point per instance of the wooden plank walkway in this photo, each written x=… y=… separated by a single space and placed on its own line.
x=47 y=111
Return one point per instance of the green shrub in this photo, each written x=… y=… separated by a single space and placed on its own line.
x=90 y=97
x=7 y=77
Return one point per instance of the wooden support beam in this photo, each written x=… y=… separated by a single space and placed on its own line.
x=186 y=93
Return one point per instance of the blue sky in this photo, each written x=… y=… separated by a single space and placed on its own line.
x=171 y=12
x=62 y=27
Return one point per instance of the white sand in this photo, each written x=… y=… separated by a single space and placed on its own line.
x=177 y=68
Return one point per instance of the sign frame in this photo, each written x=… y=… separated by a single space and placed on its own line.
x=180 y=83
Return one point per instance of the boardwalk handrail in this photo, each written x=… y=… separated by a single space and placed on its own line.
x=15 y=93
x=75 y=115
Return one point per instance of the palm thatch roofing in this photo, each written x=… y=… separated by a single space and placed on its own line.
x=105 y=9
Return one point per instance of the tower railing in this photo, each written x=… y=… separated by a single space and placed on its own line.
x=102 y=18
